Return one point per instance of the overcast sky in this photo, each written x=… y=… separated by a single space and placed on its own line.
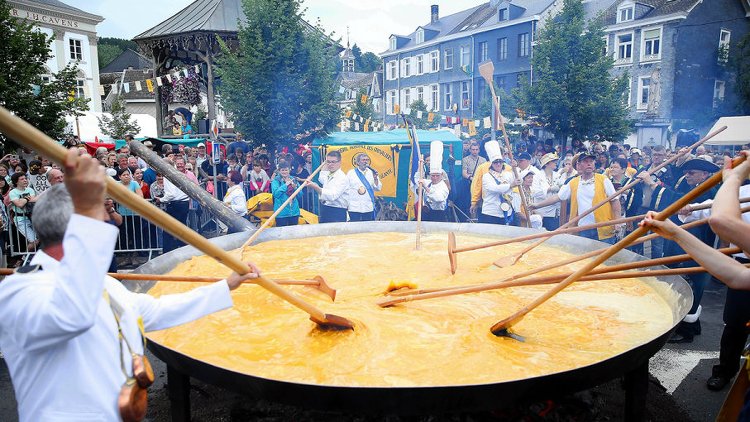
x=370 y=21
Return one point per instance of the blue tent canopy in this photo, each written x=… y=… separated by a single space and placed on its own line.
x=397 y=136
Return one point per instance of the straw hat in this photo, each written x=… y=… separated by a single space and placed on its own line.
x=547 y=158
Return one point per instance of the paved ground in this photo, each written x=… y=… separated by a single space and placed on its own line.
x=677 y=390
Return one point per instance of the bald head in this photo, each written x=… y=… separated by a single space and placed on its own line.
x=55 y=176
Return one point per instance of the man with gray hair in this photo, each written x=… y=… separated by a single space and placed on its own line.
x=62 y=319
x=55 y=177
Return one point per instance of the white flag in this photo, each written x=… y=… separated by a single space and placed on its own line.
x=419 y=114
x=101 y=90
x=476 y=123
x=86 y=90
x=185 y=72
x=126 y=87
x=138 y=85
x=158 y=81
x=407 y=110
x=197 y=69
x=356 y=126
x=487 y=122
x=169 y=78
x=341 y=89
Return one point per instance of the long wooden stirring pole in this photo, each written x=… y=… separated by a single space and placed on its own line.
x=29 y=136
x=501 y=327
x=512 y=259
x=281 y=208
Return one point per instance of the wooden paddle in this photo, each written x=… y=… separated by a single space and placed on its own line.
x=512 y=259
x=501 y=327
x=426 y=294
x=487 y=70
x=452 y=250
x=27 y=135
x=317 y=282
x=420 y=188
x=281 y=208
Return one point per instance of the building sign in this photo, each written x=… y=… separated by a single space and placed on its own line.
x=382 y=159
x=44 y=19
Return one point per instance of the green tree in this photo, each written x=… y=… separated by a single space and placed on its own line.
x=573 y=93
x=109 y=48
x=24 y=52
x=741 y=64
x=364 y=62
x=423 y=122
x=280 y=82
x=508 y=104
x=365 y=110
x=119 y=124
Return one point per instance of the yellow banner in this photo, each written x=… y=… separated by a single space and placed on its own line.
x=381 y=159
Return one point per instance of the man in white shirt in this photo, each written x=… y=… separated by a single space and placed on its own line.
x=363 y=183
x=435 y=189
x=584 y=191
x=333 y=200
x=178 y=206
x=58 y=330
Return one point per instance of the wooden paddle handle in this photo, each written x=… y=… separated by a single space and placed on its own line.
x=281 y=208
x=671 y=209
x=23 y=133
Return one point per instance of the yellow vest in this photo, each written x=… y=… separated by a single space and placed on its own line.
x=476 y=182
x=603 y=213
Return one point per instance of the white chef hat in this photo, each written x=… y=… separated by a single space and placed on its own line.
x=536 y=221
x=493 y=150
x=436 y=157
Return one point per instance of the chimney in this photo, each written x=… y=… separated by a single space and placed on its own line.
x=434 y=15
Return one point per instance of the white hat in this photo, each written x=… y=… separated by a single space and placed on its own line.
x=436 y=157
x=493 y=150
x=200 y=144
x=536 y=221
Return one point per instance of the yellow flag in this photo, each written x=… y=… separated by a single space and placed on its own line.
x=367 y=125
x=464 y=122
x=364 y=99
x=348 y=114
x=472 y=128
x=150 y=85
x=396 y=109
x=71 y=96
x=430 y=117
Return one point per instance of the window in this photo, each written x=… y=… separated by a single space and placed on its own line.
x=420 y=93
x=448 y=61
x=391 y=101
x=392 y=70
x=393 y=43
x=500 y=81
x=606 y=45
x=502 y=49
x=434 y=97
x=651 y=49
x=502 y=15
x=407 y=67
x=80 y=91
x=644 y=89
x=625 y=13
x=624 y=48
x=420 y=36
x=718 y=92
x=482 y=90
x=407 y=97
x=447 y=96
x=465 y=99
x=434 y=61
x=420 y=64
x=483 y=51
x=523 y=45
x=724 y=37
x=76 y=51
x=465 y=57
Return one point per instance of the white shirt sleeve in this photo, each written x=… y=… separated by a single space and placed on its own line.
x=609 y=188
x=171 y=192
x=335 y=187
x=69 y=308
x=489 y=185
x=564 y=192
x=697 y=215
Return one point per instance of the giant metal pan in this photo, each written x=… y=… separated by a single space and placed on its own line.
x=413 y=400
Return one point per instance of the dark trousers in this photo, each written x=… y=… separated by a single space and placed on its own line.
x=434 y=215
x=287 y=221
x=361 y=216
x=736 y=316
x=550 y=223
x=332 y=214
x=489 y=219
x=178 y=210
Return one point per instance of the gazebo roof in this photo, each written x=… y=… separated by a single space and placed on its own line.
x=200 y=15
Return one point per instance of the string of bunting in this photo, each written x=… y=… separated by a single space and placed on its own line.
x=150 y=83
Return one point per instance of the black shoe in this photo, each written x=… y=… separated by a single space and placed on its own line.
x=717 y=382
x=678 y=338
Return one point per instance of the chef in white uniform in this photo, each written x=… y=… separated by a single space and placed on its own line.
x=57 y=320
x=435 y=189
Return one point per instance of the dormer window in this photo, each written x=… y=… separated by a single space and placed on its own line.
x=393 y=43
x=625 y=12
x=420 y=36
x=502 y=15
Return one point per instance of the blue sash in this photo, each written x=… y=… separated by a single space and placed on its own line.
x=367 y=185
